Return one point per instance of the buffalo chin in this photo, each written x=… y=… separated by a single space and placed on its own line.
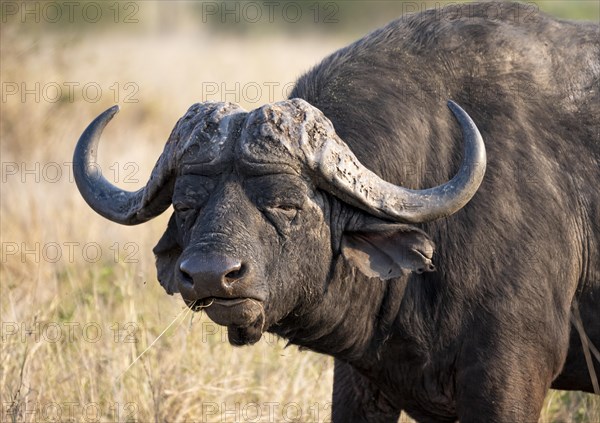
x=246 y=335
x=244 y=319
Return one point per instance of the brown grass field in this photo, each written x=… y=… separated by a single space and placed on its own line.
x=79 y=298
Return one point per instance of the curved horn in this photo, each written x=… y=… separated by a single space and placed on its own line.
x=347 y=178
x=125 y=207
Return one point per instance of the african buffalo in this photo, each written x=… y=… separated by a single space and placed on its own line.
x=312 y=218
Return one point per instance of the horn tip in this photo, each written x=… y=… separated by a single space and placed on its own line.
x=452 y=105
x=113 y=110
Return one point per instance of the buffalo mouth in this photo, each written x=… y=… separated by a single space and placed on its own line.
x=244 y=317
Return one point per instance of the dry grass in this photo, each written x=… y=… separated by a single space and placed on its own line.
x=72 y=325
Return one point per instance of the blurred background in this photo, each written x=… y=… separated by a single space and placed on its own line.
x=80 y=301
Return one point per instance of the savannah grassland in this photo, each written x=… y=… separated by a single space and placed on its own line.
x=80 y=302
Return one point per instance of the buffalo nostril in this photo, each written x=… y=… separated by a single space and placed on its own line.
x=236 y=272
x=186 y=274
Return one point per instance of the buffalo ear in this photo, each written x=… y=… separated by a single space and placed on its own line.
x=388 y=250
x=167 y=252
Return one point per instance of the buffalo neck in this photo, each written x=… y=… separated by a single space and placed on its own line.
x=355 y=320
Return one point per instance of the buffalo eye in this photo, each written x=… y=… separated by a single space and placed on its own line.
x=183 y=208
x=287 y=210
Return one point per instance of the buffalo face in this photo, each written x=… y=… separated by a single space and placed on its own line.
x=248 y=240
x=249 y=245
x=264 y=201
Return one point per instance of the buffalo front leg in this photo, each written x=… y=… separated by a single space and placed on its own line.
x=502 y=386
x=356 y=399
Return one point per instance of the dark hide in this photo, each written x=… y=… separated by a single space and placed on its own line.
x=483 y=337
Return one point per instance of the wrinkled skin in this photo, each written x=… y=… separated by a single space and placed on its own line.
x=260 y=242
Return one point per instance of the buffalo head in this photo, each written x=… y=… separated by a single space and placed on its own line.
x=265 y=201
